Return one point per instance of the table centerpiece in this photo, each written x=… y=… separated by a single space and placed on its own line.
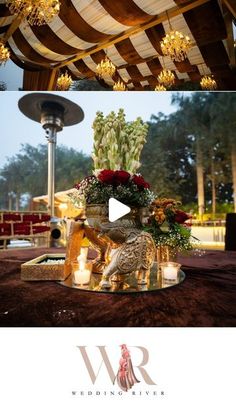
x=128 y=244
x=116 y=157
x=170 y=228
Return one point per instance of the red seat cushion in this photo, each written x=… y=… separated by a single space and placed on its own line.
x=11 y=217
x=34 y=218
x=21 y=228
x=5 y=229
x=45 y=217
x=40 y=229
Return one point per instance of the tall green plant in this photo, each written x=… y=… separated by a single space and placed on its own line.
x=117 y=143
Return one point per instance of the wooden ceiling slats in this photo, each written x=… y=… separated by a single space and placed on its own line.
x=152 y=81
x=206 y=23
x=182 y=2
x=116 y=77
x=185 y=66
x=3 y=29
x=155 y=36
x=27 y=50
x=194 y=76
x=20 y=63
x=155 y=66
x=214 y=54
x=97 y=57
x=135 y=73
x=222 y=71
x=71 y=18
x=137 y=86
x=4 y=11
x=126 y=12
x=139 y=50
x=48 y=38
x=128 y=52
x=84 y=69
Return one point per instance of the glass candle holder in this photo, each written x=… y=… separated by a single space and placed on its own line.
x=81 y=273
x=170 y=272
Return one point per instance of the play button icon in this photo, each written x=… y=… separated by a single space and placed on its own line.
x=116 y=210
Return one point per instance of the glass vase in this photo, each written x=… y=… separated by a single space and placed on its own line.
x=166 y=254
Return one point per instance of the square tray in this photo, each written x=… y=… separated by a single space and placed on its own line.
x=35 y=270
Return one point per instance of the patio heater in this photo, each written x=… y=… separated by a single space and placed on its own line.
x=53 y=112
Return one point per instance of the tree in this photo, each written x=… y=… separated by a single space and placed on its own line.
x=88 y=85
x=224 y=124
x=197 y=117
x=166 y=158
x=3 y=86
x=26 y=173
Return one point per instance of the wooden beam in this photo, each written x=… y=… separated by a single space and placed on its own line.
x=111 y=40
x=13 y=27
x=231 y=6
x=230 y=38
x=52 y=80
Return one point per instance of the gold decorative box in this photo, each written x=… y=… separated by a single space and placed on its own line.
x=39 y=270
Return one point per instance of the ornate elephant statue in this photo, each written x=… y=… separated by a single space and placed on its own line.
x=133 y=250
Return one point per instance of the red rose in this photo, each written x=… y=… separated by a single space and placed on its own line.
x=106 y=176
x=140 y=182
x=114 y=177
x=181 y=216
x=121 y=177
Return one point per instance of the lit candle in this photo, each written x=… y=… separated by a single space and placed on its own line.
x=83 y=274
x=84 y=252
x=82 y=262
x=170 y=271
x=82 y=277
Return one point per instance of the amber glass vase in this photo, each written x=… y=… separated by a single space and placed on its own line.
x=166 y=254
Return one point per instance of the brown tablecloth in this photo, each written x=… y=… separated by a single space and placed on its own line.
x=207 y=297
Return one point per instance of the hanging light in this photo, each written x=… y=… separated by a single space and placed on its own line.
x=119 y=86
x=36 y=12
x=166 y=78
x=175 y=44
x=4 y=54
x=64 y=81
x=105 y=68
x=160 y=88
x=208 y=83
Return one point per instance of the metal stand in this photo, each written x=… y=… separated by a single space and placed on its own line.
x=53 y=112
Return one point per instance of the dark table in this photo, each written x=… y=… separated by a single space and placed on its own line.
x=207 y=297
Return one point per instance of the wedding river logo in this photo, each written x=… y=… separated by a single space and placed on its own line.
x=120 y=371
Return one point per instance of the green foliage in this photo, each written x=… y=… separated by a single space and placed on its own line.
x=117 y=143
x=177 y=236
x=168 y=159
x=90 y=85
x=3 y=86
x=26 y=173
x=92 y=191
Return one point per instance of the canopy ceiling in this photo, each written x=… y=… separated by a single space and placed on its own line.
x=129 y=31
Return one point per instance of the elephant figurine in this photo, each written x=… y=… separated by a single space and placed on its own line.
x=133 y=250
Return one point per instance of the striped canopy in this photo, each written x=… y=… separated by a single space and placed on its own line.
x=129 y=32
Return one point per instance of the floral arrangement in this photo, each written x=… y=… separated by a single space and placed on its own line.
x=117 y=143
x=130 y=189
x=116 y=155
x=168 y=224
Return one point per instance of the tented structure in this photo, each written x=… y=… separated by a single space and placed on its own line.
x=129 y=32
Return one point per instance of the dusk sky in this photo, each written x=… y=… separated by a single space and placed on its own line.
x=16 y=129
